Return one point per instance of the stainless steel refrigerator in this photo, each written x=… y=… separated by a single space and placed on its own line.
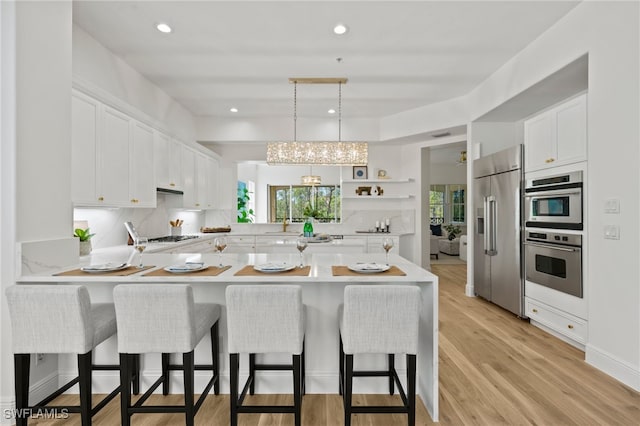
x=497 y=206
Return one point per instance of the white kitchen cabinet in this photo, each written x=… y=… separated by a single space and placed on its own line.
x=168 y=164
x=113 y=159
x=562 y=324
x=557 y=136
x=85 y=132
x=197 y=186
x=142 y=186
x=202 y=184
x=212 y=184
x=240 y=244
x=374 y=244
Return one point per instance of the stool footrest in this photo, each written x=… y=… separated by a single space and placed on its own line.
x=57 y=393
x=276 y=367
x=371 y=374
x=377 y=409
x=266 y=409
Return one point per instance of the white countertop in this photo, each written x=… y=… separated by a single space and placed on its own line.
x=320 y=268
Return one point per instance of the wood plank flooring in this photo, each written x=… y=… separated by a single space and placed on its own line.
x=494 y=370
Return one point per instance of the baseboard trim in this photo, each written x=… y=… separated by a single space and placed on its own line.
x=613 y=366
x=37 y=392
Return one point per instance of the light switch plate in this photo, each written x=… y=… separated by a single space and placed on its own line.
x=611 y=232
x=612 y=205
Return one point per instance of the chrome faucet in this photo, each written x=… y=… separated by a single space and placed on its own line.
x=285 y=223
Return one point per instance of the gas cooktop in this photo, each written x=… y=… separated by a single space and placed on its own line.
x=172 y=238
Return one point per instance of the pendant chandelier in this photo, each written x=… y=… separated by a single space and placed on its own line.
x=317 y=152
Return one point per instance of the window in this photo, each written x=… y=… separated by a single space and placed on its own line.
x=246 y=202
x=297 y=202
x=447 y=204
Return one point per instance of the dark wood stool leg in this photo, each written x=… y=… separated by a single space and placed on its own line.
x=165 y=373
x=233 y=386
x=215 y=357
x=125 y=389
x=252 y=373
x=136 y=374
x=84 y=383
x=297 y=389
x=392 y=358
x=188 y=371
x=304 y=371
x=21 y=365
x=411 y=389
x=348 y=382
x=341 y=369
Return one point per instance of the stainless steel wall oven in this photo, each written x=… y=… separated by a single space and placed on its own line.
x=554 y=202
x=554 y=260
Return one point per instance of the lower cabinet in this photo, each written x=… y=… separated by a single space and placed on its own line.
x=570 y=328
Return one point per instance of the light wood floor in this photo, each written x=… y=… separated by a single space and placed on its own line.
x=494 y=370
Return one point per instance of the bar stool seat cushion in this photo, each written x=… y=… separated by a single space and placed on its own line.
x=57 y=319
x=161 y=319
x=380 y=319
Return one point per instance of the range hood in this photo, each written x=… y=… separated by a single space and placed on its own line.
x=169 y=191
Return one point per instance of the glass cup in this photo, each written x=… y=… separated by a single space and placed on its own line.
x=140 y=244
x=220 y=244
x=301 y=244
x=387 y=244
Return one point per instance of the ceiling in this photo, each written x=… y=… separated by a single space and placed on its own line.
x=396 y=55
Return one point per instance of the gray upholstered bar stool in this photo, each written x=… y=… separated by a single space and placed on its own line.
x=58 y=319
x=379 y=319
x=156 y=318
x=265 y=319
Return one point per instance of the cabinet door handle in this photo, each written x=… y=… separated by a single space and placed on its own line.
x=172 y=184
x=570 y=326
x=100 y=198
x=535 y=311
x=197 y=204
x=134 y=200
x=550 y=160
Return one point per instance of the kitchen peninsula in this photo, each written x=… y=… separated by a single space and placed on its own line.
x=322 y=293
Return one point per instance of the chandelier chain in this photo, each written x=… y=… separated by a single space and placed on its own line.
x=295 y=110
x=339 y=112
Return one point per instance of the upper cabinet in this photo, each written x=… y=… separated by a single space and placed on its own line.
x=557 y=136
x=168 y=159
x=119 y=162
x=85 y=132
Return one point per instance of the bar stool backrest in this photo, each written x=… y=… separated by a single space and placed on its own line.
x=381 y=319
x=265 y=319
x=155 y=318
x=50 y=319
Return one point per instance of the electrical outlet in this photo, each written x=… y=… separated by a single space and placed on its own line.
x=612 y=206
x=611 y=232
x=39 y=358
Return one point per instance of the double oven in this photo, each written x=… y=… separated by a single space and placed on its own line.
x=553 y=258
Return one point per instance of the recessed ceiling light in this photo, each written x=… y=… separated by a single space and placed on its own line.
x=340 y=29
x=332 y=111
x=233 y=109
x=163 y=28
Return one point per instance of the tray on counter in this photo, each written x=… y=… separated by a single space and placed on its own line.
x=206 y=230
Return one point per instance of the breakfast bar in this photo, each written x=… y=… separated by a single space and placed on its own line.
x=322 y=280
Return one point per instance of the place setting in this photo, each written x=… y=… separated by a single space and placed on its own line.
x=361 y=268
x=283 y=268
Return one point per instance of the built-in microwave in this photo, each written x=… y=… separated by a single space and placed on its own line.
x=554 y=202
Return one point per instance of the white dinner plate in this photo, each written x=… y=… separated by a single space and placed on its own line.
x=274 y=267
x=105 y=267
x=185 y=267
x=320 y=239
x=368 y=268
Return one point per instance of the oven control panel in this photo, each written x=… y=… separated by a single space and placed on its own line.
x=555 y=238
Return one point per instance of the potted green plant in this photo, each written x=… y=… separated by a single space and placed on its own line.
x=452 y=231
x=85 y=240
x=245 y=214
x=310 y=211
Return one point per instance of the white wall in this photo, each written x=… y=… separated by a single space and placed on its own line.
x=95 y=64
x=447 y=174
x=608 y=32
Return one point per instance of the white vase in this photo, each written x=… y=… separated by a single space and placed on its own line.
x=85 y=247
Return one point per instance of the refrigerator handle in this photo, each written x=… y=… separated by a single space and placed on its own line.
x=492 y=225
x=485 y=225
